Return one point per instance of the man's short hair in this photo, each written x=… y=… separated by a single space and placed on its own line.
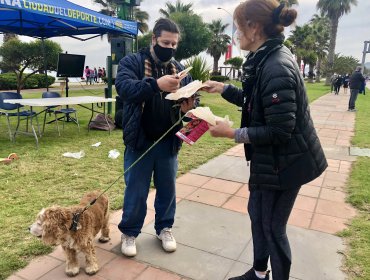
x=165 y=24
x=358 y=68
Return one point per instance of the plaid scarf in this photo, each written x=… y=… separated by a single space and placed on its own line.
x=158 y=70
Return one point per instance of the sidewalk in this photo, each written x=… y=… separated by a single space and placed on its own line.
x=212 y=226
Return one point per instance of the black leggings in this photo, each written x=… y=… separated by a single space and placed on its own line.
x=269 y=212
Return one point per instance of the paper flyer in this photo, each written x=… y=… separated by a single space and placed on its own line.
x=201 y=119
x=193 y=130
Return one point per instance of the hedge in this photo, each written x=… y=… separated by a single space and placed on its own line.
x=8 y=81
x=219 y=78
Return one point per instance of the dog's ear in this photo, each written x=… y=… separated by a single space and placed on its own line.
x=56 y=224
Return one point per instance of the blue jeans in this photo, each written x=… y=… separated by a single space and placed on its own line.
x=269 y=212
x=352 y=99
x=162 y=164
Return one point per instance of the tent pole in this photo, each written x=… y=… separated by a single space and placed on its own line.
x=110 y=82
x=45 y=63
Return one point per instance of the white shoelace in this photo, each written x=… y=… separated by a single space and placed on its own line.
x=130 y=240
x=167 y=234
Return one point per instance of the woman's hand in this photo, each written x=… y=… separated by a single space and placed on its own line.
x=213 y=86
x=222 y=129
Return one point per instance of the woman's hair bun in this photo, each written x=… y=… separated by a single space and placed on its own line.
x=287 y=16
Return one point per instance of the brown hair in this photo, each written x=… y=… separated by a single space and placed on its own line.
x=165 y=24
x=272 y=15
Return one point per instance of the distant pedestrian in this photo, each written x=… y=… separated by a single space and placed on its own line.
x=337 y=84
x=104 y=75
x=100 y=74
x=95 y=75
x=92 y=75
x=362 y=89
x=356 y=82
x=87 y=74
x=332 y=81
x=345 y=83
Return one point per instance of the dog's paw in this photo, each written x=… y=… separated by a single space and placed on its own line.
x=72 y=271
x=92 y=269
x=103 y=239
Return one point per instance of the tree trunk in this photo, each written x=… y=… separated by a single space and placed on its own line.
x=215 y=64
x=318 y=72
x=310 y=73
x=333 y=38
x=19 y=82
x=299 y=59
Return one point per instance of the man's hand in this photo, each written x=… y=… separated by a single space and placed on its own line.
x=168 y=83
x=187 y=104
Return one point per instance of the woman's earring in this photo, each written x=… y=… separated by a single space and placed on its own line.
x=252 y=39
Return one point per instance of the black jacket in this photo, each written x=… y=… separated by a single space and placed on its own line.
x=136 y=91
x=357 y=80
x=285 y=151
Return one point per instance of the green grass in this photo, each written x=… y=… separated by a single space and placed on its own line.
x=357 y=236
x=316 y=90
x=44 y=177
x=362 y=137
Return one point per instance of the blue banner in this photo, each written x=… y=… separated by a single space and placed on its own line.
x=42 y=18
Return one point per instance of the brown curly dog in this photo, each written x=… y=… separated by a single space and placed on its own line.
x=53 y=227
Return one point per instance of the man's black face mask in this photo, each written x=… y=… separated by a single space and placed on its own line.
x=163 y=54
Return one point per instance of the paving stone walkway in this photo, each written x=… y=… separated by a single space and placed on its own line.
x=212 y=226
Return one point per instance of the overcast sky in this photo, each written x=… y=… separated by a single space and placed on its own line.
x=353 y=29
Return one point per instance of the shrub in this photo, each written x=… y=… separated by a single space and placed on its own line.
x=219 y=78
x=8 y=81
x=41 y=80
x=200 y=70
x=235 y=62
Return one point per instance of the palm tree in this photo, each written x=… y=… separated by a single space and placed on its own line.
x=333 y=10
x=219 y=41
x=297 y=39
x=289 y=3
x=321 y=32
x=177 y=8
x=142 y=18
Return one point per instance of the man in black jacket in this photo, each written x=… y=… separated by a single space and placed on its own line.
x=143 y=80
x=355 y=83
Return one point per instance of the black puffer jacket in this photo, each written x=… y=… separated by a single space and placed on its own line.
x=356 y=80
x=285 y=151
x=135 y=90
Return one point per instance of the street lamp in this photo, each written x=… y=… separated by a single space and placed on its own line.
x=225 y=11
x=232 y=29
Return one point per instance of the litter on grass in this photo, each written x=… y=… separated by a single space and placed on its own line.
x=77 y=155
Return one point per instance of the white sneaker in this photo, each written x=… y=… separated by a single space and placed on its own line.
x=168 y=241
x=128 y=247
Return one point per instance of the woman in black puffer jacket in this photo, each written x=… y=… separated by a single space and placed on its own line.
x=276 y=128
